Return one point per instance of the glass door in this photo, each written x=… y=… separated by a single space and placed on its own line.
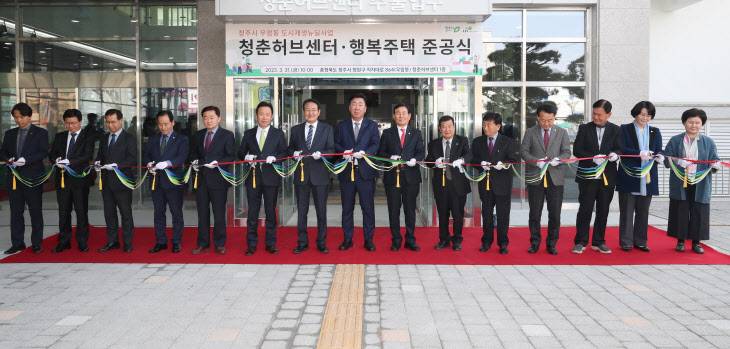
x=424 y=121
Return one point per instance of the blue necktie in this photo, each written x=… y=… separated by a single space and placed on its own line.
x=71 y=145
x=309 y=136
x=163 y=145
x=114 y=140
x=21 y=140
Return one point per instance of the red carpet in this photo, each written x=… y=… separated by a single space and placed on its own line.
x=662 y=250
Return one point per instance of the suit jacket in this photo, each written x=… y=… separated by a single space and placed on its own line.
x=124 y=153
x=586 y=145
x=275 y=145
x=368 y=140
x=533 y=148
x=412 y=149
x=222 y=149
x=706 y=151
x=82 y=153
x=504 y=151
x=176 y=152
x=315 y=171
x=35 y=149
x=630 y=146
x=459 y=150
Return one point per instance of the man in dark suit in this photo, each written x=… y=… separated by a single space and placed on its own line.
x=263 y=142
x=213 y=144
x=117 y=150
x=402 y=183
x=25 y=147
x=74 y=146
x=544 y=144
x=450 y=186
x=596 y=139
x=491 y=151
x=167 y=149
x=360 y=136
x=312 y=138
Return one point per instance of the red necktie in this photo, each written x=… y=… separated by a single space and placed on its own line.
x=402 y=137
x=491 y=145
x=207 y=140
x=546 y=138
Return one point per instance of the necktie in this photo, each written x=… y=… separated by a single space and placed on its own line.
x=163 y=144
x=491 y=145
x=546 y=138
x=21 y=140
x=402 y=137
x=114 y=140
x=357 y=130
x=71 y=144
x=262 y=139
x=208 y=140
x=447 y=155
x=310 y=134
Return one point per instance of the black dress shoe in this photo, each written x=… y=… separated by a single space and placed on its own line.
x=157 y=248
x=39 y=249
x=369 y=245
x=347 y=244
x=250 y=250
x=129 y=248
x=503 y=250
x=552 y=250
x=680 y=247
x=84 y=248
x=176 y=248
x=300 y=249
x=484 y=248
x=394 y=247
x=323 y=249
x=412 y=246
x=109 y=247
x=643 y=248
x=442 y=245
x=61 y=248
x=15 y=249
x=626 y=248
x=272 y=249
x=457 y=247
x=532 y=249
x=696 y=248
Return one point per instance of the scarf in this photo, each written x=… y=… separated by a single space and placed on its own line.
x=691 y=152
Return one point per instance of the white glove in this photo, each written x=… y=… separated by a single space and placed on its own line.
x=60 y=163
x=12 y=159
x=485 y=165
x=717 y=165
x=270 y=159
x=249 y=157
x=194 y=163
x=457 y=163
x=683 y=163
x=438 y=163
x=395 y=157
x=19 y=162
x=97 y=165
x=316 y=155
x=109 y=166
x=555 y=162
x=347 y=157
x=161 y=165
x=659 y=158
x=645 y=154
x=541 y=163
x=499 y=166
x=598 y=160
x=613 y=157
x=297 y=153
x=411 y=162
x=150 y=164
x=213 y=164
x=359 y=154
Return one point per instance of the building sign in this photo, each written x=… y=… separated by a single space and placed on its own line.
x=353 y=49
x=357 y=8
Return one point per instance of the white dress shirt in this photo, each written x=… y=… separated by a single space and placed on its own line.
x=258 y=133
x=68 y=139
x=306 y=130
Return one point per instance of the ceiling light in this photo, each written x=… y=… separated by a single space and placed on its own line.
x=147 y=48
x=95 y=64
x=74 y=21
x=165 y=36
x=192 y=48
x=8 y=43
x=82 y=56
x=171 y=58
x=116 y=36
x=43 y=57
x=41 y=51
x=194 y=20
x=116 y=68
x=49 y=48
x=133 y=20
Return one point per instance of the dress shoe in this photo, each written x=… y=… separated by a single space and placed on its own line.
x=109 y=247
x=39 y=249
x=250 y=250
x=503 y=250
x=601 y=248
x=84 y=248
x=578 y=249
x=129 y=248
x=484 y=248
x=696 y=248
x=61 y=248
x=347 y=244
x=15 y=249
x=220 y=250
x=680 y=247
x=442 y=245
x=323 y=249
x=412 y=246
x=552 y=250
x=158 y=248
x=457 y=247
x=532 y=249
x=300 y=249
x=176 y=248
x=199 y=250
x=272 y=249
x=394 y=247
x=369 y=245
x=626 y=248
x=641 y=248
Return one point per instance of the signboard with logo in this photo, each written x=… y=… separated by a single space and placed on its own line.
x=353 y=49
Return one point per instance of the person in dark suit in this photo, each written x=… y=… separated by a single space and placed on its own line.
x=312 y=138
x=596 y=139
x=167 y=149
x=450 y=186
x=491 y=151
x=213 y=144
x=263 y=142
x=543 y=144
x=25 y=147
x=117 y=150
x=72 y=148
x=360 y=136
x=403 y=183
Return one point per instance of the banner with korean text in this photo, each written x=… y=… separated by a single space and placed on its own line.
x=353 y=49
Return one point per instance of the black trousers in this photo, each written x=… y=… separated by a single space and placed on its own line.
x=504 y=205
x=215 y=199
x=21 y=196
x=633 y=219
x=73 y=198
x=254 y=195
x=121 y=200
x=450 y=204
x=365 y=190
x=593 y=193
x=537 y=195
x=404 y=196
x=319 y=194
x=161 y=199
x=689 y=219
